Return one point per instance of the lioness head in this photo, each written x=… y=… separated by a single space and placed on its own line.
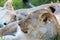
x=40 y=24
x=6 y=17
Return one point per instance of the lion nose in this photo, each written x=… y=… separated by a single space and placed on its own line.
x=5 y=23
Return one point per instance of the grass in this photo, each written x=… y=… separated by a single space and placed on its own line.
x=18 y=4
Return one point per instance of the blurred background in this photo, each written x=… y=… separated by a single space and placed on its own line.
x=18 y=4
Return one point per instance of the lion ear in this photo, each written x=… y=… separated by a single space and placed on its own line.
x=8 y=5
x=46 y=17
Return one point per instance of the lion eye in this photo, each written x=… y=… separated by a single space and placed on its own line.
x=5 y=23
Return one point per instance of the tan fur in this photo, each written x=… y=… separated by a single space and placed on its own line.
x=36 y=27
x=56 y=6
x=35 y=20
x=7 y=17
x=8 y=29
x=30 y=25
